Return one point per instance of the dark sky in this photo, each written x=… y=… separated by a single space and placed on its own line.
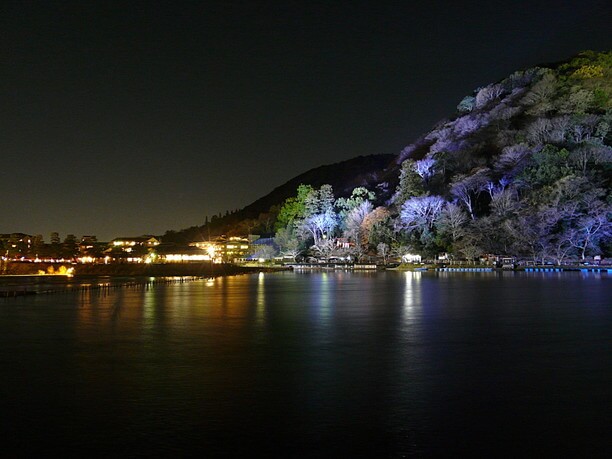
x=124 y=118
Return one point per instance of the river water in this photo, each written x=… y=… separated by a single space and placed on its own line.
x=313 y=364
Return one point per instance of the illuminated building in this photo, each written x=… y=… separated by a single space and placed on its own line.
x=131 y=249
x=225 y=249
x=90 y=250
x=128 y=244
x=16 y=245
x=171 y=253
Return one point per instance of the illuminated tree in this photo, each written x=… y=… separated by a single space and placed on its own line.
x=504 y=202
x=530 y=235
x=467 y=104
x=579 y=100
x=287 y=241
x=469 y=247
x=539 y=99
x=358 y=196
x=452 y=222
x=444 y=140
x=467 y=188
x=469 y=124
x=589 y=154
x=356 y=229
x=383 y=251
x=295 y=207
x=421 y=212
x=265 y=252
x=543 y=130
x=591 y=229
x=326 y=248
x=561 y=245
x=310 y=214
x=425 y=168
x=317 y=226
x=488 y=94
x=513 y=156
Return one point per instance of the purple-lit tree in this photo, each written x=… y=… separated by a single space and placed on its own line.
x=445 y=140
x=543 y=130
x=264 y=252
x=561 y=245
x=512 y=157
x=467 y=188
x=318 y=226
x=590 y=154
x=425 y=168
x=469 y=124
x=358 y=196
x=452 y=222
x=504 y=203
x=488 y=94
x=591 y=229
x=584 y=128
x=355 y=228
x=421 y=212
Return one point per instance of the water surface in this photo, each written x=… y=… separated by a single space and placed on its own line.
x=306 y=364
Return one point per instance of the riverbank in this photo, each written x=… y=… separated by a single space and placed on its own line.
x=133 y=269
x=444 y=267
x=25 y=279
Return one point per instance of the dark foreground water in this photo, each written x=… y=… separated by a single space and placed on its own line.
x=315 y=365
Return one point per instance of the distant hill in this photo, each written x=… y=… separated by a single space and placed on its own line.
x=368 y=171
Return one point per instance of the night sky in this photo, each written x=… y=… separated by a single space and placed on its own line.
x=125 y=118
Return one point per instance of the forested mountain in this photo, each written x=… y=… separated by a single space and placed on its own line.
x=259 y=216
x=522 y=168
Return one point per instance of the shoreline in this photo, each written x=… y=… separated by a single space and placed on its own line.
x=68 y=270
x=23 y=269
x=116 y=277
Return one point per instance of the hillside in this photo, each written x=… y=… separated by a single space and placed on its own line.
x=522 y=168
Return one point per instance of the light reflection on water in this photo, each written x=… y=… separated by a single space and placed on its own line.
x=261 y=299
x=412 y=292
x=366 y=364
x=323 y=310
